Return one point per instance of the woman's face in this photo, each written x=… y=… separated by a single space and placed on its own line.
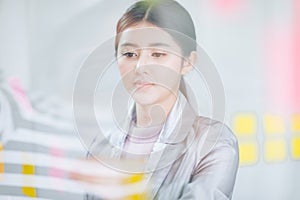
x=150 y=63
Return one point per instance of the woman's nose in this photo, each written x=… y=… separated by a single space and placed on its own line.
x=142 y=62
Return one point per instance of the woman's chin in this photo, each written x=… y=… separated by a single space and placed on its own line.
x=144 y=98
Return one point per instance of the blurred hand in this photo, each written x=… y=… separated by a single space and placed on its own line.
x=108 y=183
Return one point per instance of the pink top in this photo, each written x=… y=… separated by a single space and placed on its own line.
x=140 y=140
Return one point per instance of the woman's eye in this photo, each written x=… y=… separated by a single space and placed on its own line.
x=157 y=54
x=129 y=54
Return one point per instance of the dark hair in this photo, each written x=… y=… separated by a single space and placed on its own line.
x=166 y=14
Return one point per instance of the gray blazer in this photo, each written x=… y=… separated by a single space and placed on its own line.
x=198 y=160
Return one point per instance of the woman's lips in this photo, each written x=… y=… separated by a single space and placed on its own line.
x=142 y=84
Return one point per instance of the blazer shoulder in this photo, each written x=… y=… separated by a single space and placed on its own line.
x=212 y=133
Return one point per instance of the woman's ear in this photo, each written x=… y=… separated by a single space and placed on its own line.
x=189 y=62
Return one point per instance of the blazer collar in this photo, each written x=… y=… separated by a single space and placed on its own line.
x=175 y=145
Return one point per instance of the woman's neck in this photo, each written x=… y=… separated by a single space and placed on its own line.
x=154 y=114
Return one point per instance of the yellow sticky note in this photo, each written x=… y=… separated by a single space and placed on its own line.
x=28 y=169
x=133 y=179
x=296 y=123
x=273 y=124
x=244 y=124
x=142 y=196
x=275 y=150
x=1 y=167
x=296 y=148
x=248 y=153
x=29 y=191
x=1 y=162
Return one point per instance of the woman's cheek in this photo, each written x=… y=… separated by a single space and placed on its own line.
x=125 y=67
x=126 y=72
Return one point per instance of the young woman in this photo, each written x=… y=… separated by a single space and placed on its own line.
x=185 y=156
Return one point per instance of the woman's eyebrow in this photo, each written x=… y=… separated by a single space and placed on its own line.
x=157 y=44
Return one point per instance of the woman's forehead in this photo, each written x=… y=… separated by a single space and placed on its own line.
x=147 y=36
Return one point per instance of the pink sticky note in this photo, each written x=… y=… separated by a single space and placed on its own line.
x=229 y=7
x=58 y=173
x=56 y=152
x=19 y=93
x=54 y=171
